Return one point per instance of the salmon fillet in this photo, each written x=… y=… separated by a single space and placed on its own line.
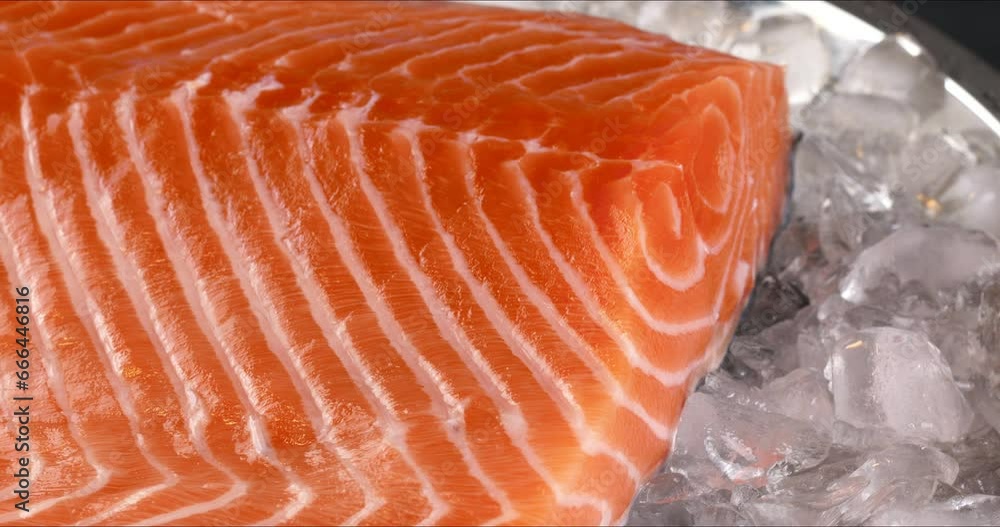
x=365 y=263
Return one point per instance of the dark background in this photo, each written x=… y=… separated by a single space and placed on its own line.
x=974 y=25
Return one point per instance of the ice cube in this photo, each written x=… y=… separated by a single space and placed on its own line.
x=745 y=493
x=773 y=301
x=796 y=257
x=862 y=439
x=989 y=318
x=666 y=487
x=770 y=353
x=973 y=199
x=782 y=338
x=901 y=475
x=983 y=143
x=665 y=514
x=670 y=499
x=983 y=481
x=954 y=333
x=928 y=163
x=967 y=510
x=812 y=171
x=985 y=398
x=974 y=509
x=708 y=24
x=739 y=370
x=896 y=67
x=754 y=354
x=791 y=40
x=723 y=386
x=777 y=511
x=720 y=514
x=822 y=165
x=663 y=501
x=870 y=130
x=812 y=353
x=626 y=11
x=809 y=484
x=742 y=442
x=841 y=226
x=979 y=465
x=897 y=380
x=938 y=257
x=838 y=318
x=802 y=395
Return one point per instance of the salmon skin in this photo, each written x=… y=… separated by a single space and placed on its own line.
x=364 y=263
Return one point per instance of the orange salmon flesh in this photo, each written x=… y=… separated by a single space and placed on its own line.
x=364 y=263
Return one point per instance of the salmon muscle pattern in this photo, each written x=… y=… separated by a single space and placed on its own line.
x=365 y=263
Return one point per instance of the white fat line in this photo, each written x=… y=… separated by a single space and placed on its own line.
x=395 y=430
x=611 y=31
x=695 y=274
x=559 y=324
x=577 y=88
x=538 y=298
x=712 y=108
x=9 y=254
x=444 y=401
x=741 y=274
x=661 y=326
x=436 y=37
x=677 y=62
x=565 y=66
x=81 y=301
x=582 y=291
x=30 y=43
x=404 y=68
x=88 y=23
x=125 y=112
x=193 y=288
x=349 y=119
x=333 y=330
x=283 y=60
x=517 y=52
x=150 y=44
x=180 y=98
x=113 y=237
x=310 y=30
x=124 y=504
x=215 y=44
x=341 y=241
x=511 y=417
x=675 y=71
x=237 y=490
x=577 y=36
x=669 y=379
x=673 y=58
x=520 y=345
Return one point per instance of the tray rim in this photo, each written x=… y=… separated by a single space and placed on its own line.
x=970 y=79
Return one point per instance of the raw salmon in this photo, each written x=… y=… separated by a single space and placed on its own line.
x=364 y=263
